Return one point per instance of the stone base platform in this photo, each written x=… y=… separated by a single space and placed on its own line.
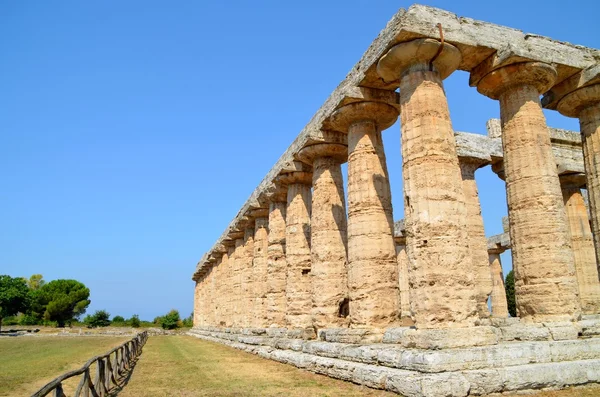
x=508 y=365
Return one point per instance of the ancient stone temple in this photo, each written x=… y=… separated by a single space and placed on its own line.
x=418 y=306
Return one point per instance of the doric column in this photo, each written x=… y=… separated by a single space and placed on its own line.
x=328 y=235
x=236 y=290
x=477 y=240
x=276 y=261
x=443 y=289
x=585 y=104
x=372 y=266
x=545 y=283
x=197 y=314
x=228 y=301
x=498 y=297
x=247 y=280
x=259 y=268
x=403 y=284
x=210 y=306
x=223 y=286
x=298 y=288
x=582 y=243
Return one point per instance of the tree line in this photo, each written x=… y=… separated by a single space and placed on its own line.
x=61 y=302
x=58 y=302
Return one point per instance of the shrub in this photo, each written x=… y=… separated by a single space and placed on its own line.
x=171 y=320
x=188 y=322
x=118 y=320
x=98 y=319
x=134 y=321
x=28 y=319
x=509 y=286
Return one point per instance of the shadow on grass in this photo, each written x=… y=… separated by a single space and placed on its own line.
x=123 y=380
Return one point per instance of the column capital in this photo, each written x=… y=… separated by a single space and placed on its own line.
x=258 y=213
x=586 y=77
x=471 y=164
x=383 y=115
x=539 y=75
x=276 y=192
x=298 y=177
x=577 y=180
x=573 y=103
x=237 y=235
x=417 y=55
x=334 y=150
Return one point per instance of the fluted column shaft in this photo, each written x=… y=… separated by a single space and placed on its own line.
x=247 y=280
x=442 y=286
x=583 y=249
x=443 y=290
x=297 y=238
x=372 y=266
x=238 y=264
x=276 y=265
x=545 y=284
x=498 y=297
x=259 y=270
x=197 y=314
x=589 y=122
x=584 y=103
x=329 y=267
x=477 y=239
x=229 y=303
x=223 y=288
x=403 y=283
x=541 y=249
x=373 y=274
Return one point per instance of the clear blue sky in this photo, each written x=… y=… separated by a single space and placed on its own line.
x=132 y=131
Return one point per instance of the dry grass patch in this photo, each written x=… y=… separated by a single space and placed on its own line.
x=28 y=363
x=187 y=366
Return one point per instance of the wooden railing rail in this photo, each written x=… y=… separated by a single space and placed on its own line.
x=111 y=367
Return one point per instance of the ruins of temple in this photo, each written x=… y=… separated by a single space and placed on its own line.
x=418 y=307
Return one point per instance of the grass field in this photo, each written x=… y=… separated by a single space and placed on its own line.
x=187 y=366
x=28 y=363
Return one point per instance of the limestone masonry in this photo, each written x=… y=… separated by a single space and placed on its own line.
x=418 y=306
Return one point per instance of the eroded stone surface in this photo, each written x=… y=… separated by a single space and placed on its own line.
x=442 y=286
x=298 y=288
x=542 y=257
x=276 y=265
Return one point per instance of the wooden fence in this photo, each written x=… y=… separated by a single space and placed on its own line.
x=110 y=368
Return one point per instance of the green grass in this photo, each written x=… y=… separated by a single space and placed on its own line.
x=187 y=366
x=28 y=363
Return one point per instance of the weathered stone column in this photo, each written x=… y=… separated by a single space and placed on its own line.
x=297 y=241
x=582 y=243
x=477 y=240
x=585 y=104
x=224 y=286
x=543 y=262
x=403 y=283
x=197 y=314
x=443 y=290
x=372 y=265
x=247 y=279
x=259 y=268
x=498 y=298
x=229 y=280
x=276 y=261
x=329 y=263
x=210 y=280
x=236 y=290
